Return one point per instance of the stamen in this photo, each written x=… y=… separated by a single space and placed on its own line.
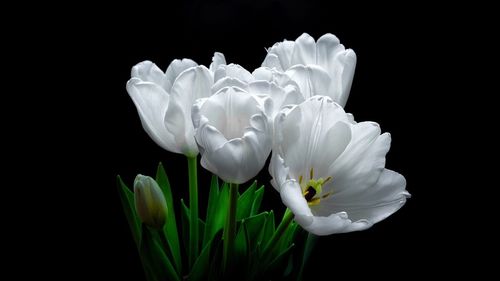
x=300 y=179
x=311 y=174
x=327 y=179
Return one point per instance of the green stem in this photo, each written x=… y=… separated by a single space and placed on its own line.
x=273 y=243
x=193 y=207
x=230 y=226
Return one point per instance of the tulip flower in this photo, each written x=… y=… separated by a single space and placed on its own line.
x=150 y=202
x=164 y=100
x=324 y=67
x=330 y=171
x=233 y=135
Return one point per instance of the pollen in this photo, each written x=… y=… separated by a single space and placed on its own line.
x=312 y=189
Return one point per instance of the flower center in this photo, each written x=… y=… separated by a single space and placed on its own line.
x=312 y=189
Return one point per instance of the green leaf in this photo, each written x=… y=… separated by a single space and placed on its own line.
x=185 y=220
x=201 y=265
x=259 y=193
x=170 y=228
x=279 y=264
x=245 y=202
x=309 y=244
x=287 y=237
x=268 y=229
x=128 y=203
x=217 y=218
x=154 y=258
x=254 y=226
x=213 y=200
x=241 y=241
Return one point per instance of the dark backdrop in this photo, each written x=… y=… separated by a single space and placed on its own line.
x=395 y=84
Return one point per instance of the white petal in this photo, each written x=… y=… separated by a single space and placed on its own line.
x=327 y=49
x=272 y=61
x=278 y=171
x=304 y=129
x=234 y=71
x=149 y=72
x=304 y=51
x=332 y=224
x=237 y=160
x=375 y=203
x=363 y=160
x=312 y=80
x=283 y=50
x=230 y=110
x=190 y=85
x=152 y=102
x=217 y=60
x=292 y=197
x=175 y=68
x=341 y=71
x=229 y=82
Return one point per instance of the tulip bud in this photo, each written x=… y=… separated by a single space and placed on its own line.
x=150 y=202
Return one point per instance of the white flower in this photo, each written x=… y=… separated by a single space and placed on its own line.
x=232 y=132
x=324 y=67
x=271 y=92
x=330 y=171
x=164 y=100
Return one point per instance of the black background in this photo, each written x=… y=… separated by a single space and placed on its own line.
x=398 y=83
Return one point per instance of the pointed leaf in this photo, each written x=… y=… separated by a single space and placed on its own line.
x=154 y=257
x=245 y=202
x=259 y=193
x=185 y=220
x=278 y=266
x=201 y=265
x=309 y=244
x=128 y=203
x=170 y=228
x=254 y=225
x=213 y=200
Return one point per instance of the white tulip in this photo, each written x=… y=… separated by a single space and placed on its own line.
x=330 y=171
x=232 y=132
x=164 y=100
x=324 y=67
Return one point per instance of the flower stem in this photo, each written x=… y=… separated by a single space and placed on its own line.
x=273 y=243
x=230 y=226
x=193 y=207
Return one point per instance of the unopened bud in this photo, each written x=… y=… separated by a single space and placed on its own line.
x=150 y=202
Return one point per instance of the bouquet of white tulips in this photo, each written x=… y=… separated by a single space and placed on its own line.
x=329 y=169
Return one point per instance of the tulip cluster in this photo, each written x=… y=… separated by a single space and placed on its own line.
x=328 y=169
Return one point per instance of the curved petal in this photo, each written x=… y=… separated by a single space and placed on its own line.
x=234 y=71
x=312 y=80
x=341 y=70
x=272 y=61
x=332 y=224
x=278 y=171
x=237 y=160
x=304 y=51
x=175 y=68
x=149 y=72
x=190 y=85
x=217 y=60
x=229 y=82
x=363 y=160
x=375 y=203
x=327 y=48
x=304 y=128
x=292 y=197
x=283 y=50
x=151 y=102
